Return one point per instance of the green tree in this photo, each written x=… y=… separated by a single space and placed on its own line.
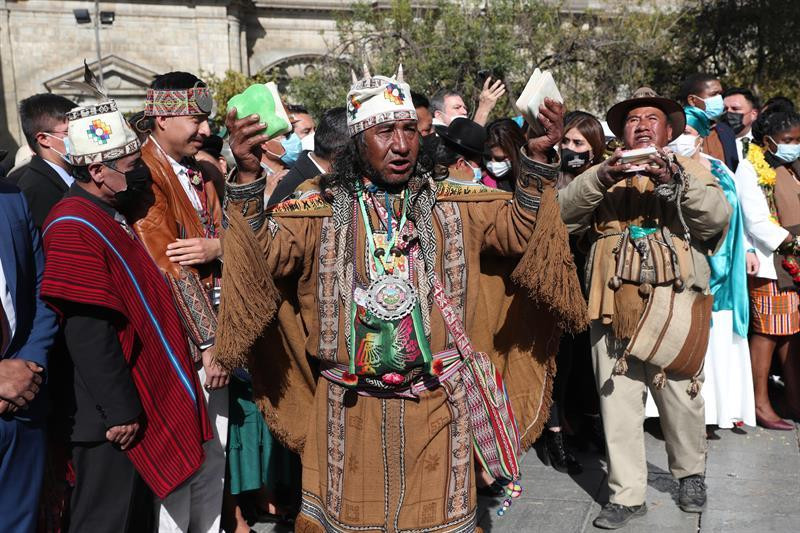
x=596 y=57
x=750 y=43
x=227 y=86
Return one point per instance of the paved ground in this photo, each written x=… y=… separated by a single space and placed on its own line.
x=753 y=486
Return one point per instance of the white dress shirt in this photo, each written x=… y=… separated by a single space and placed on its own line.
x=63 y=174
x=764 y=235
x=740 y=144
x=8 y=305
x=183 y=177
x=311 y=157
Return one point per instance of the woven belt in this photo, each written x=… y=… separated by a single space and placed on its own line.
x=415 y=381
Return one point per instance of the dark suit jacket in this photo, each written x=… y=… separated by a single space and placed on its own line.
x=101 y=392
x=303 y=169
x=23 y=264
x=728 y=139
x=43 y=188
x=13 y=177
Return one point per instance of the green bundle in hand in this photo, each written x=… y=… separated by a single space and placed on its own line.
x=262 y=99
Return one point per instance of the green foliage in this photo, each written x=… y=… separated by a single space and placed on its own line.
x=750 y=43
x=226 y=87
x=595 y=57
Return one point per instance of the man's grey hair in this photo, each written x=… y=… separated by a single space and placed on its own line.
x=437 y=102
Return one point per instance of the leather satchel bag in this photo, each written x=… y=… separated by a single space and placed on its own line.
x=672 y=335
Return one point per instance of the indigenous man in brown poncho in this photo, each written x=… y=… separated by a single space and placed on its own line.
x=651 y=227
x=351 y=372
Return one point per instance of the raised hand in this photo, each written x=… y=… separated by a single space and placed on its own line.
x=245 y=139
x=551 y=117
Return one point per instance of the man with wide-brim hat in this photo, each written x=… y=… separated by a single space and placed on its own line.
x=651 y=226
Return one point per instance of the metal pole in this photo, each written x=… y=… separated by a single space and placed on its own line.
x=97 y=39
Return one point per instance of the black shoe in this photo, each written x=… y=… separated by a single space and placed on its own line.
x=692 y=494
x=614 y=515
x=556 y=454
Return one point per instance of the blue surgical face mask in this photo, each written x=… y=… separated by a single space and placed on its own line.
x=477 y=174
x=65 y=139
x=715 y=107
x=787 y=153
x=292 y=147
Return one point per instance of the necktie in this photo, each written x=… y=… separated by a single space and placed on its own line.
x=745 y=146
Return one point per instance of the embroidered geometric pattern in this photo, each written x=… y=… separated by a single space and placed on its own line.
x=107 y=155
x=328 y=293
x=380 y=118
x=461 y=449
x=194 y=307
x=99 y=109
x=335 y=437
x=99 y=131
x=455 y=264
x=173 y=103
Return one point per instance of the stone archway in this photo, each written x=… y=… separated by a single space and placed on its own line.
x=294 y=66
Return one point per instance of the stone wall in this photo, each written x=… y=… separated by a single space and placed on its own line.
x=41 y=44
x=41 y=41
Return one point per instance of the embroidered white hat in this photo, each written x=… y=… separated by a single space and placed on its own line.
x=98 y=133
x=374 y=100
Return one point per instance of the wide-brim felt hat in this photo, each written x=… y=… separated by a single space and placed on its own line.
x=465 y=136
x=646 y=97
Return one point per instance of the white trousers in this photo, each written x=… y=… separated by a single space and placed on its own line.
x=196 y=505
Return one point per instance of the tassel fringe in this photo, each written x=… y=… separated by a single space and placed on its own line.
x=621 y=367
x=660 y=380
x=694 y=388
x=249 y=298
x=547 y=269
x=628 y=310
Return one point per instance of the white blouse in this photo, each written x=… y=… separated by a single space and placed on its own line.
x=764 y=235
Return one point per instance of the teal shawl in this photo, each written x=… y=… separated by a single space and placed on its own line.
x=728 y=272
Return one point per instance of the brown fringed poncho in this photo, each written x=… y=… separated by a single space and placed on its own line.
x=283 y=330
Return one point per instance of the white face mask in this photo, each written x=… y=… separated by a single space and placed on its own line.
x=307 y=142
x=685 y=145
x=498 y=169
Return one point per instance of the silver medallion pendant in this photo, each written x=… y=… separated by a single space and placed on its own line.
x=391 y=297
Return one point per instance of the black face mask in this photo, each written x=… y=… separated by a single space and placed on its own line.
x=734 y=120
x=137 y=180
x=572 y=161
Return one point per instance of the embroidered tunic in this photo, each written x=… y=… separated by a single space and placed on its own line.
x=378 y=463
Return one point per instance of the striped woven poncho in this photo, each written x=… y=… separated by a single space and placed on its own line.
x=92 y=260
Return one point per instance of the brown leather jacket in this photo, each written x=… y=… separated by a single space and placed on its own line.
x=165 y=216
